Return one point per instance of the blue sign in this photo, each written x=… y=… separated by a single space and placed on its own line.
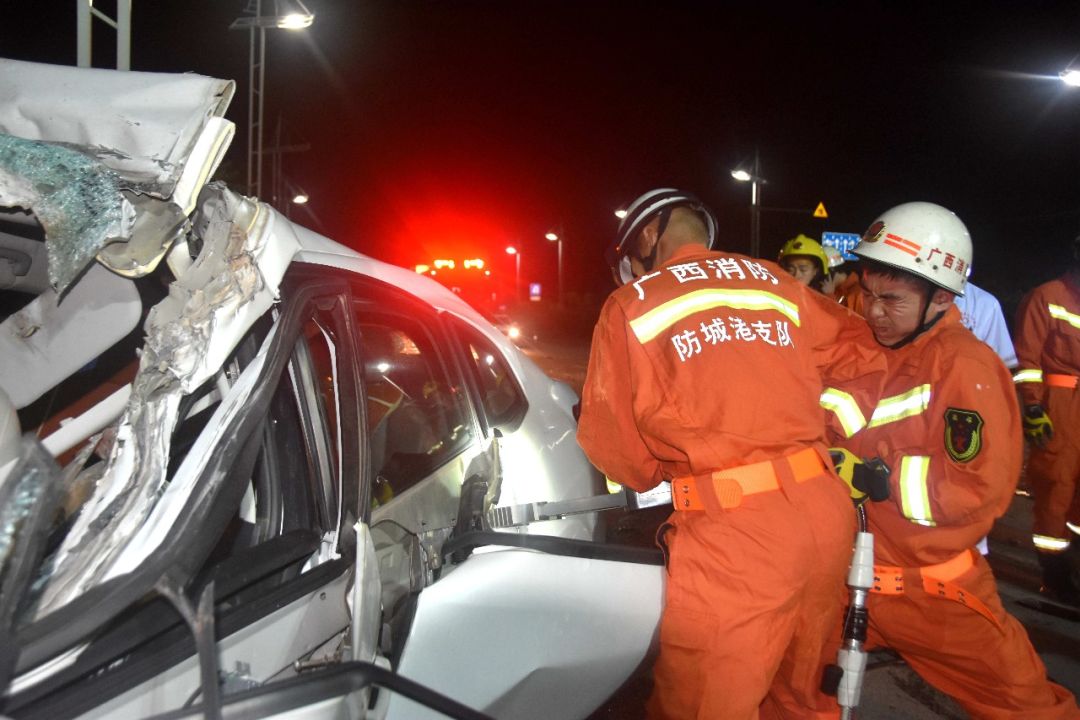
x=844 y=242
x=534 y=292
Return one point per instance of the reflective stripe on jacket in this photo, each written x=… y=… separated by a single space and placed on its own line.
x=718 y=360
x=948 y=426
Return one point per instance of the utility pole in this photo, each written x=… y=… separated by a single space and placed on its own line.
x=85 y=12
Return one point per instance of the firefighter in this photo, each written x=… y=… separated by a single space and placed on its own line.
x=949 y=429
x=1048 y=350
x=806 y=261
x=843 y=282
x=710 y=369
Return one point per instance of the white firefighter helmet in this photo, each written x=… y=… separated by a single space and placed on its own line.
x=836 y=258
x=639 y=213
x=925 y=240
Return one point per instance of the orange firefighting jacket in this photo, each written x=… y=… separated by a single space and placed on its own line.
x=1047 y=336
x=948 y=426
x=717 y=360
x=849 y=293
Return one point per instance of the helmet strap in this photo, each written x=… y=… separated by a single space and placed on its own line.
x=649 y=261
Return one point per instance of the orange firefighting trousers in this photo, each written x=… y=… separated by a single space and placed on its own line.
x=1053 y=471
x=751 y=596
x=987 y=664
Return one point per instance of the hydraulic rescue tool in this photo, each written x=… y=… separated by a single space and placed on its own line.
x=845 y=678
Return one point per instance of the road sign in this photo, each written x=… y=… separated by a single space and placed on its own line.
x=843 y=242
x=819 y=211
x=534 y=292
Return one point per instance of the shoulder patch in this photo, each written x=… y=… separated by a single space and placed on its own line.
x=963 y=434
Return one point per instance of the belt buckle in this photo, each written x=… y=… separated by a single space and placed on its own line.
x=684 y=494
x=888 y=580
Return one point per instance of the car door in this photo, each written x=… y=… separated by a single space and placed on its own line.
x=451 y=586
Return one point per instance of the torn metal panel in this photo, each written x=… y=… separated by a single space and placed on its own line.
x=76 y=200
x=47 y=341
x=234 y=280
x=156 y=530
x=245 y=248
x=156 y=227
x=146 y=131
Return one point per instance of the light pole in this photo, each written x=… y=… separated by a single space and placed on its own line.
x=288 y=15
x=511 y=250
x=556 y=237
x=756 y=181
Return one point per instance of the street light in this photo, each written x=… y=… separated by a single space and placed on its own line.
x=288 y=15
x=620 y=213
x=756 y=181
x=511 y=250
x=1070 y=77
x=556 y=238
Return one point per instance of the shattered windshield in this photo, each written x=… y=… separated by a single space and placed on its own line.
x=76 y=200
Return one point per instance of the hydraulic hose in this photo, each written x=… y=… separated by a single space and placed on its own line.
x=852 y=657
x=845 y=678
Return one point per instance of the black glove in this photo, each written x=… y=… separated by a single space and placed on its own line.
x=1037 y=426
x=863 y=477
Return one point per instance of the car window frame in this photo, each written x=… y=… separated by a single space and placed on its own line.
x=392 y=301
x=455 y=325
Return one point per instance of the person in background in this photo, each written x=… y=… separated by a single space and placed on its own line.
x=709 y=370
x=843 y=281
x=980 y=312
x=805 y=260
x=949 y=429
x=1048 y=352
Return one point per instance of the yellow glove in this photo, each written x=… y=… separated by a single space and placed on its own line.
x=863 y=477
x=1037 y=426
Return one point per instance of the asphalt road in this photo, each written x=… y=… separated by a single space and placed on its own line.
x=892 y=691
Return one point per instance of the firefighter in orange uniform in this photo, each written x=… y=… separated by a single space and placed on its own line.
x=710 y=369
x=843 y=281
x=1048 y=349
x=948 y=426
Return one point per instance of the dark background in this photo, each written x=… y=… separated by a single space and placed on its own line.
x=454 y=128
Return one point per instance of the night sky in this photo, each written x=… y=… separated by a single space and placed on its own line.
x=456 y=128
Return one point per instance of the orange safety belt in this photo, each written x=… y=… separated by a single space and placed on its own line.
x=1062 y=381
x=731 y=485
x=937 y=580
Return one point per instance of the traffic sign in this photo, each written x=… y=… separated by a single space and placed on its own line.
x=819 y=211
x=843 y=242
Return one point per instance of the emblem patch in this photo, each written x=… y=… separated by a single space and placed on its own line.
x=874 y=232
x=963 y=434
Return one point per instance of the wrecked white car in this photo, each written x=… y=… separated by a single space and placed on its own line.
x=261 y=472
